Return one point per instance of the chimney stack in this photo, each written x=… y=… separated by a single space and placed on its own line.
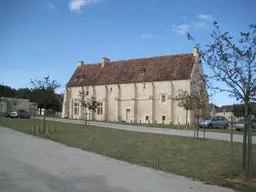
x=196 y=51
x=104 y=61
x=80 y=63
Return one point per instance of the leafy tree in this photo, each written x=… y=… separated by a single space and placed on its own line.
x=43 y=91
x=234 y=64
x=239 y=109
x=185 y=101
x=6 y=91
x=24 y=93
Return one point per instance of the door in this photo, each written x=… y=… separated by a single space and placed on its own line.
x=214 y=121
x=128 y=119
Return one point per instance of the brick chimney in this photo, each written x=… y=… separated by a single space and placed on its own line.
x=80 y=63
x=104 y=61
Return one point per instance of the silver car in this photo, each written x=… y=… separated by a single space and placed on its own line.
x=214 y=122
x=240 y=125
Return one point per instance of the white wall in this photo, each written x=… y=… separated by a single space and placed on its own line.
x=141 y=101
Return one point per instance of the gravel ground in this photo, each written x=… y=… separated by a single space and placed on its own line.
x=185 y=133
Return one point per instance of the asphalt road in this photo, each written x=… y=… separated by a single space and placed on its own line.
x=185 y=133
x=31 y=164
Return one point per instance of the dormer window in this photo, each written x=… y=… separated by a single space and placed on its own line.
x=76 y=78
x=82 y=77
x=142 y=72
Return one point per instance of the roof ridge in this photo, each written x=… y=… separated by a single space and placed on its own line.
x=151 y=57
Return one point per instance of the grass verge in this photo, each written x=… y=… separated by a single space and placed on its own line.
x=205 y=160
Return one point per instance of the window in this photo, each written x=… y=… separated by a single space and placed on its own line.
x=87 y=91
x=142 y=72
x=111 y=89
x=82 y=77
x=215 y=118
x=221 y=118
x=163 y=99
x=76 y=109
x=100 y=109
x=144 y=85
x=163 y=118
x=147 y=118
x=75 y=78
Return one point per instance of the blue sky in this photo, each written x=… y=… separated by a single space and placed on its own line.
x=48 y=37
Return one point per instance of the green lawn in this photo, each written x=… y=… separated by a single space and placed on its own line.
x=205 y=160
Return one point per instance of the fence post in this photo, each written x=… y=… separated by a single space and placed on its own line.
x=37 y=129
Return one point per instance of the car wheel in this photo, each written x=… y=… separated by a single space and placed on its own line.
x=226 y=126
x=209 y=126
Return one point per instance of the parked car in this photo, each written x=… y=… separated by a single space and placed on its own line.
x=19 y=113
x=214 y=122
x=240 y=124
x=8 y=112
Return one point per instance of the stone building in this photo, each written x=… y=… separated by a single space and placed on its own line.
x=17 y=103
x=136 y=90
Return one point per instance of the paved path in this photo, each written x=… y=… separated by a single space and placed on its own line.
x=31 y=164
x=186 y=133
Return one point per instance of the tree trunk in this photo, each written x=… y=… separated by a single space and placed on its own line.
x=197 y=125
x=44 y=116
x=249 y=151
x=186 y=119
x=245 y=139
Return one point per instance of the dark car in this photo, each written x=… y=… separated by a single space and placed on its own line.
x=240 y=124
x=7 y=113
x=19 y=113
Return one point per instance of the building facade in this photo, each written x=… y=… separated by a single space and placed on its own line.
x=138 y=90
x=17 y=103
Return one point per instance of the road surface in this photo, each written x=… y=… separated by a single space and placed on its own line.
x=31 y=164
x=185 y=133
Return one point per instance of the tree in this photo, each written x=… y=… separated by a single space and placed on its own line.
x=185 y=102
x=43 y=91
x=239 y=109
x=6 y=91
x=234 y=64
x=200 y=102
x=90 y=102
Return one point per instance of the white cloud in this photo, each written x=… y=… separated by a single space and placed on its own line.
x=146 y=36
x=76 y=5
x=52 y=6
x=205 y=17
x=180 y=29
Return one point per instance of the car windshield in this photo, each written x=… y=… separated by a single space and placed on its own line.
x=207 y=118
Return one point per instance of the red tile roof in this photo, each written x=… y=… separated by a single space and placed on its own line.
x=171 y=67
x=226 y=108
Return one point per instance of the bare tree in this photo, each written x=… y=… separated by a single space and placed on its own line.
x=43 y=91
x=185 y=102
x=234 y=64
x=200 y=102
